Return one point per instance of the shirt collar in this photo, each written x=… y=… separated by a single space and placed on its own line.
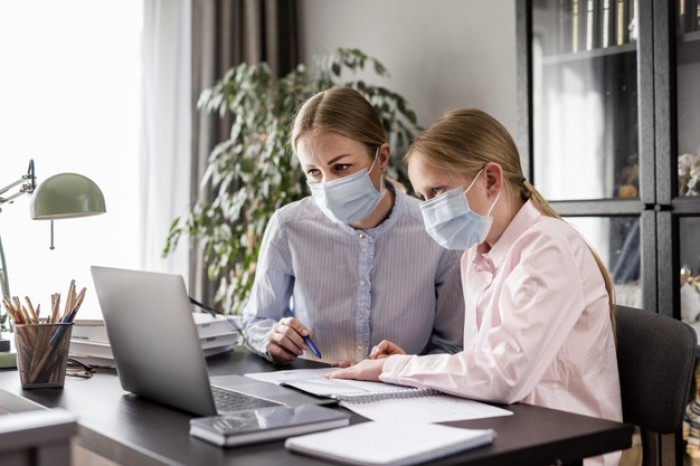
x=526 y=217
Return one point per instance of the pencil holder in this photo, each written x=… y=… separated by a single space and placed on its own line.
x=42 y=354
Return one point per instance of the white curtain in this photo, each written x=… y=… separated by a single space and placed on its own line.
x=166 y=130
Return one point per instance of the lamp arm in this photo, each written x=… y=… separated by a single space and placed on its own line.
x=27 y=182
x=4 y=280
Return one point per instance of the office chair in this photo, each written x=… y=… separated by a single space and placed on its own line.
x=656 y=361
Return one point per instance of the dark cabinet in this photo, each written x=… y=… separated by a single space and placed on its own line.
x=609 y=132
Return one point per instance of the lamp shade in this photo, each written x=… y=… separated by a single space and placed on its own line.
x=67 y=195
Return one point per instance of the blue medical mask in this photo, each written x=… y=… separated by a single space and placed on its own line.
x=350 y=198
x=452 y=224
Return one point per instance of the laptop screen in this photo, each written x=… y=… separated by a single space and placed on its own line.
x=157 y=353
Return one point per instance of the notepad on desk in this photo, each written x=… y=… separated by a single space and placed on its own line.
x=383 y=401
x=356 y=391
x=313 y=381
x=389 y=443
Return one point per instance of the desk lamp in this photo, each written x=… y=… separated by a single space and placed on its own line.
x=65 y=195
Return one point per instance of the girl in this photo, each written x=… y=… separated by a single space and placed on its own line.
x=351 y=264
x=539 y=318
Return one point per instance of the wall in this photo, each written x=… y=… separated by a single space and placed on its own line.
x=442 y=54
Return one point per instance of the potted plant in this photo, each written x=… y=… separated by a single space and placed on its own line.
x=253 y=172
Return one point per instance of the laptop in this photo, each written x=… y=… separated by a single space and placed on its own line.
x=157 y=353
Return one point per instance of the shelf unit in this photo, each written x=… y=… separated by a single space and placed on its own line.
x=601 y=130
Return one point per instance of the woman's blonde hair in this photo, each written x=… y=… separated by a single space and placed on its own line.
x=340 y=110
x=465 y=140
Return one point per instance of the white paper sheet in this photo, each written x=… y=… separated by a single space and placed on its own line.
x=427 y=409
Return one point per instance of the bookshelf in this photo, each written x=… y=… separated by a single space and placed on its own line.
x=609 y=131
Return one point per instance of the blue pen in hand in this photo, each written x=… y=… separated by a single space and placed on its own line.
x=312 y=346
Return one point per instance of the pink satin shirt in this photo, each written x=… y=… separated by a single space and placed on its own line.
x=537 y=326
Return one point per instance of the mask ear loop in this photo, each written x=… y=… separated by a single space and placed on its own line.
x=376 y=156
x=382 y=187
x=473 y=181
x=498 y=196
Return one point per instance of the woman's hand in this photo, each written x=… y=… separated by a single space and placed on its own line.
x=369 y=369
x=384 y=349
x=285 y=341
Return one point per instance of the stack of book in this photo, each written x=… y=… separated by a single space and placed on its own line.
x=89 y=342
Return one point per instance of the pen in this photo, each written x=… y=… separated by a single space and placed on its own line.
x=312 y=346
x=212 y=312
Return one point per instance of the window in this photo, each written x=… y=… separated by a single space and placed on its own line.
x=70 y=100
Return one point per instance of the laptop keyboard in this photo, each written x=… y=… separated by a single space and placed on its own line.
x=227 y=400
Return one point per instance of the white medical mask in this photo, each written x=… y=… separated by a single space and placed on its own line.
x=350 y=198
x=452 y=224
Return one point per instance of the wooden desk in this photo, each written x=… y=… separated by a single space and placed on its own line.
x=130 y=430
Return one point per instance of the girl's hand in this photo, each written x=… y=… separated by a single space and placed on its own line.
x=384 y=349
x=369 y=369
x=285 y=341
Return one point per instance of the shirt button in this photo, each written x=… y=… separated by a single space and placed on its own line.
x=362 y=283
x=362 y=236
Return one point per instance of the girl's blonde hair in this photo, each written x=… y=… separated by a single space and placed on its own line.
x=465 y=140
x=340 y=110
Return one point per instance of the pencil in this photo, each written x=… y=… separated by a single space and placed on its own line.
x=16 y=317
x=55 y=308
x=70 y=298
x=30 y=308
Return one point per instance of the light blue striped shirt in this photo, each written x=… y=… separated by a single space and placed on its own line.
x=354 y=288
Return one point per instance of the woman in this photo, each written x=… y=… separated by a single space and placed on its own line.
x=539 y=318
x=351 y=264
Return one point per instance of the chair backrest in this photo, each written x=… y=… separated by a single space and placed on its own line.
x=656 y=361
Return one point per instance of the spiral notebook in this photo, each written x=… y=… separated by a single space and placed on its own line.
x=382 y=401
x=357 y=391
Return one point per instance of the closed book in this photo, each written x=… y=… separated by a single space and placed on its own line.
x=622 y=16
x=208 y=325
x=216 y=341
x=389 y=443
x=90 y=348
x=210 y=346
x=593 y=21
x=90 y=329
x=607 y=23
x=95 y=361
x=266 y=424
x=577 y=26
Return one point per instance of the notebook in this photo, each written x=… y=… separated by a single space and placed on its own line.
x=358 y=391
x=382 y=401
x=389 y=443
x=157 y=351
